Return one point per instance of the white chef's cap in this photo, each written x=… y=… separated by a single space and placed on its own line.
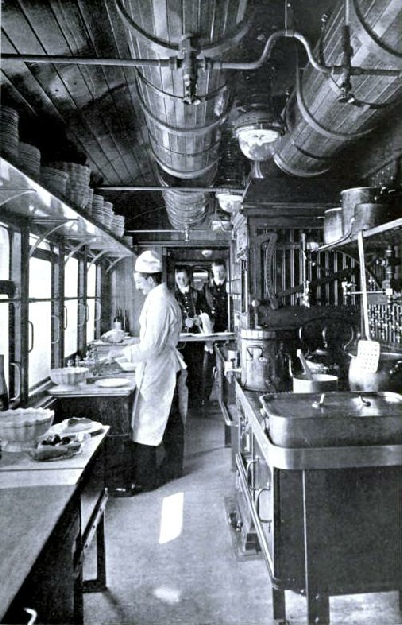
x=148 y=262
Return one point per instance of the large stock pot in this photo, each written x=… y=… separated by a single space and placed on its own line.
x=263 y=361
x=388 y=376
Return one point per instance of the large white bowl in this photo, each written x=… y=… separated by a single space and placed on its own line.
x=20 y=428
x=69 y=376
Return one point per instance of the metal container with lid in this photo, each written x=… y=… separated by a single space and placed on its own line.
x=263 y=362
x=334 y=419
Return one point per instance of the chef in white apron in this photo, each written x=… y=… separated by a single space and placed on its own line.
x=158 y=364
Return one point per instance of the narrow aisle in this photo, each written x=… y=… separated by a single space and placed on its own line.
x=162 y=573
x=170 y=558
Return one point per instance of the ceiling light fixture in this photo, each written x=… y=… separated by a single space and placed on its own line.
x=230 y=202
x=256 y=131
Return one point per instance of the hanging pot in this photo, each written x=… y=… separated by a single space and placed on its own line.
x=333 y=225
x=357 y=195
x=370 y=214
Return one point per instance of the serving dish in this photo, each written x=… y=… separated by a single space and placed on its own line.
x=112 y=383
x=69 y=376
x=21 y=427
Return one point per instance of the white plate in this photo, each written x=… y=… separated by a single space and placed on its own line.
x=112 y=383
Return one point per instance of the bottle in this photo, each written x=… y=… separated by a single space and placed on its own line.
x=118 y=321
x=126 y=325
x=3 y=386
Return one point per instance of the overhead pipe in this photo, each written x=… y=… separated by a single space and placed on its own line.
x=321 y=117
x=204 y=63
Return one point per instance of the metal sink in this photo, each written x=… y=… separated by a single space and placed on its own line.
x=333 y=419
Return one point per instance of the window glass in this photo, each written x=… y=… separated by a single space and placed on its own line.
x=39 y=315
x=4 y=275
x=4 y=252
x=91 y=305
x=71 y=307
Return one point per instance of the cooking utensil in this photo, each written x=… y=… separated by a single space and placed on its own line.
x=336 y=419
x=370 y=214
x=368 y=351
x=333 y=225
x=306 y=368
x=357 y=195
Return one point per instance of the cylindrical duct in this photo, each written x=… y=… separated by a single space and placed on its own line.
x=184 y=138
x=319 y=124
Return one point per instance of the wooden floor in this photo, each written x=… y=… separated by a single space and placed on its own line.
x=171 y=561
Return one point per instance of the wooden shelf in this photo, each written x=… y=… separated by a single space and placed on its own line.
x=21 y=196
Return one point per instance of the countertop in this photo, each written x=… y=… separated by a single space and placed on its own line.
x=90 y=389
x=32 y=501
x=315 y=458
x=188 y=337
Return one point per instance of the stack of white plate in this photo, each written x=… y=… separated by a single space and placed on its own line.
x=97 y=207
x=54 y=180
x=29 y=159
x=108 y=214
x=118 y=225
x=78 y=184
x=9 y=135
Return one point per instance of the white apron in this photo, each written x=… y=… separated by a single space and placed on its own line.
x=158 y=363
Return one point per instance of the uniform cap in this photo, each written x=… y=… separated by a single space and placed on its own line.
x=148 y=262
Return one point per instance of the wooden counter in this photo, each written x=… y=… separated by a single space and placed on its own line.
x=112 y=407
x=49 y=510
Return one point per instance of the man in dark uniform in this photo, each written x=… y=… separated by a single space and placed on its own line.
x=192 y=304
x=216 y=296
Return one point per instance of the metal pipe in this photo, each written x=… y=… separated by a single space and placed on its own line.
x=195 y=189
x=175 y=62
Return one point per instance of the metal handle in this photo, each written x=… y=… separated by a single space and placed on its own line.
x=17 y=365
x=56 y=325
x=320 y=403
x=254 y=347
x=31 y=325
x=257 y=505
x=86 y=307
x=249 y=465
x=65 y=317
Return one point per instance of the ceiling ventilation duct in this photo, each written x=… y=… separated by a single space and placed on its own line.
x=231 y=174
x=185 y=109
x=328 y=110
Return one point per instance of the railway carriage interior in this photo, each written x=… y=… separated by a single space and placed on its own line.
x=262 y=138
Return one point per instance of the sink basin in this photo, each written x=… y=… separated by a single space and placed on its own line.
x=333 y=419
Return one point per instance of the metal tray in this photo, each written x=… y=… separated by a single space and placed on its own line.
x=333 y=419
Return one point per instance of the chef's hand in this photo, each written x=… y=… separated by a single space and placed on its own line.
x=197 y=322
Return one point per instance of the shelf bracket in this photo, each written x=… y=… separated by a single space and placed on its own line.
x=96 y=257
x=78 y=247
x=117 y=260
x=48 y=232
x=6 y=195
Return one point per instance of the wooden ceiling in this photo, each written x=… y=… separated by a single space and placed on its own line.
x=91 y=113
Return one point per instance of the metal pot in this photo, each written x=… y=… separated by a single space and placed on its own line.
x=357 y=195
x=263 y=362
x=370 y=214
x=333 y=225
x=321 y=382
x=388 y=376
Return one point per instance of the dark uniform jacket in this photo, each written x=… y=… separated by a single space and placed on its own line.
x=217 y=300
x=192 y=304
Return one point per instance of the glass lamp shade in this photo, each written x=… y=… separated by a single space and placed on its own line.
x=230 y=203
x=256 y=141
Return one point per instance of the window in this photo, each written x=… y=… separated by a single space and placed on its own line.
x=39 y=314
x=4 y=295
x=71 y=307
